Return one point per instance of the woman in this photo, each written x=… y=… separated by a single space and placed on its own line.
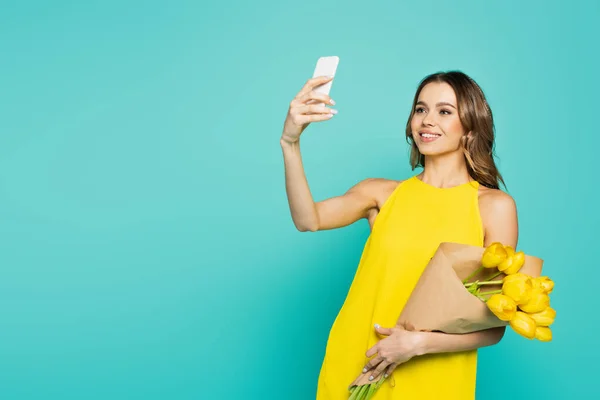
x=456 y=198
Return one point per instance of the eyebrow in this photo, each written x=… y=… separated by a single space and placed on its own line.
x=441 y=103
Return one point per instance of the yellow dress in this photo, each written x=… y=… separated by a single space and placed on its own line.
x=412 y=222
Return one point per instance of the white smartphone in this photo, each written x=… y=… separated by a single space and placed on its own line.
x=326 y=66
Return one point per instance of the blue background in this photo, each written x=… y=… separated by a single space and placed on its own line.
x=146 y=246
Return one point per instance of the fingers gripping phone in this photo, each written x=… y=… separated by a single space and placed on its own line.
x=325 y=66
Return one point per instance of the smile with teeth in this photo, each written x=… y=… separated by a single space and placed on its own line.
x=428 y=137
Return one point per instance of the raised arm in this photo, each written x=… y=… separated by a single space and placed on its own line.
x=307 y=214
x=330 y=213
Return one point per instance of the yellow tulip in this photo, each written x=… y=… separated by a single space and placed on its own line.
x=544 y=283
x=538 y=302
x=544 y=318
x=493 y=255
x=517 y=276
x=513 y=264
x=523 y=324
x=509 y=251
x=543 y=334
x=517 y=287
x=502 y=306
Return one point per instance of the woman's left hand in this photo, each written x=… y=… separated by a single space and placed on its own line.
x=399 y=346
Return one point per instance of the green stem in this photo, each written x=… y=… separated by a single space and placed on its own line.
x=363 y=391
x=492 y=292
x=478 y=270
x=354 y=394
x=371 y=392
x=483 y=283
x=484 y=298
x=493 y=276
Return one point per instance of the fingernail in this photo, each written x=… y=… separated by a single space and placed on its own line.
x=371 y=378
x=377 y=326
x=385 y=375
x=333 y=111
x=332 y=102
x=364 y=369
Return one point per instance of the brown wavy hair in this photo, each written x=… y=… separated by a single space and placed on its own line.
x=476 y=117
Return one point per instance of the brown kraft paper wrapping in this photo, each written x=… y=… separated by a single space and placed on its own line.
x=440 y=302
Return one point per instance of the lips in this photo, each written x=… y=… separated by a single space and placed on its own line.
x=427 y=136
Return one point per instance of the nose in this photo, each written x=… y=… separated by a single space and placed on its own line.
x=427 y=120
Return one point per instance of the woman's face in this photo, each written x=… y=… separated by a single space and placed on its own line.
x=435 y=125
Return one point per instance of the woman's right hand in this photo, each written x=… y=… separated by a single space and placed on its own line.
x=303 y=111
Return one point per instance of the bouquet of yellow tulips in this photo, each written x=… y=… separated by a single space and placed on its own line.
x=523 y=301
x=467 y=288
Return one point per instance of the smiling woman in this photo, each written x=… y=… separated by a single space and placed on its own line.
x=452 y=107
x=450 y=130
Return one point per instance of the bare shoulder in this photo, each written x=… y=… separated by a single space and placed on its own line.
x=387 y=187
x=498 y=212
x=377 y=188
x=380 y=190
x=495 y=201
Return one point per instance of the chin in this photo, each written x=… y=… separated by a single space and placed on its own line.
x=429 y=151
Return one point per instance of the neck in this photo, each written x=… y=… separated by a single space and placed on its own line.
x=445 y=170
